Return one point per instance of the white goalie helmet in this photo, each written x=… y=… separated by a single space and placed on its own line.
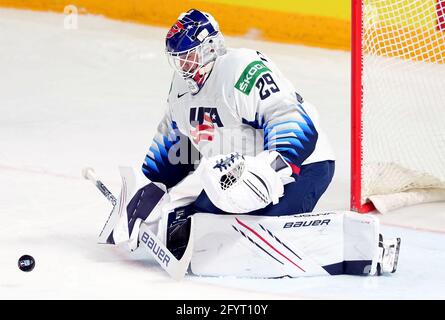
x=240 y=184
x=192 y=43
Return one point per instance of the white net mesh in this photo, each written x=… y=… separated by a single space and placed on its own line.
x=403 y=115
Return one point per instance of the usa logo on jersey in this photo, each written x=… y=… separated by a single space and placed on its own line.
x=203 y=121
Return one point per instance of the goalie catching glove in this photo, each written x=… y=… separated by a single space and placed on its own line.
x=240 y=184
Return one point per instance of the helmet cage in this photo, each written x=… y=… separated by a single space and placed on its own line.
x=187 y=63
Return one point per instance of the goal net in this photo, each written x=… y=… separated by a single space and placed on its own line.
x=398 y=103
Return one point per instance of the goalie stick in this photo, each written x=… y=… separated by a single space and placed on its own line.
x=89 y=174
x=147 y=239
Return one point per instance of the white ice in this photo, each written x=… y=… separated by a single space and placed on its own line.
x=93 y=96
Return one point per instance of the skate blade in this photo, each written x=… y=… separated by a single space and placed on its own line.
x=396 y=255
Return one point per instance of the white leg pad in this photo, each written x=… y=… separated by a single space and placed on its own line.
x=323 y=243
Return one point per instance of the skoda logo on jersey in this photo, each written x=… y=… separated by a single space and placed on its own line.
x=203 y=121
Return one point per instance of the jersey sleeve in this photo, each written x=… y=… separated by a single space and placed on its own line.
x=171 y=156
x=267 y=100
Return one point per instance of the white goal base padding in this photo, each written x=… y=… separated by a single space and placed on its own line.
x=389 y=202
x=413 y=187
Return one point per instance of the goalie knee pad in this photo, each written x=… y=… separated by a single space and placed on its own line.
x=241 y=184
x=174 y=230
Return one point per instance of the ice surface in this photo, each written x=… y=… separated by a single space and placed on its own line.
x=93 y=96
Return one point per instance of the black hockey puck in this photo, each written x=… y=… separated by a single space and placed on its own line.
x=26 y=263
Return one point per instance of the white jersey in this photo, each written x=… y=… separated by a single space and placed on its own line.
x=246 y=105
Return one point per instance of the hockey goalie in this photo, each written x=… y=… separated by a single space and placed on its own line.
x=235 y=170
